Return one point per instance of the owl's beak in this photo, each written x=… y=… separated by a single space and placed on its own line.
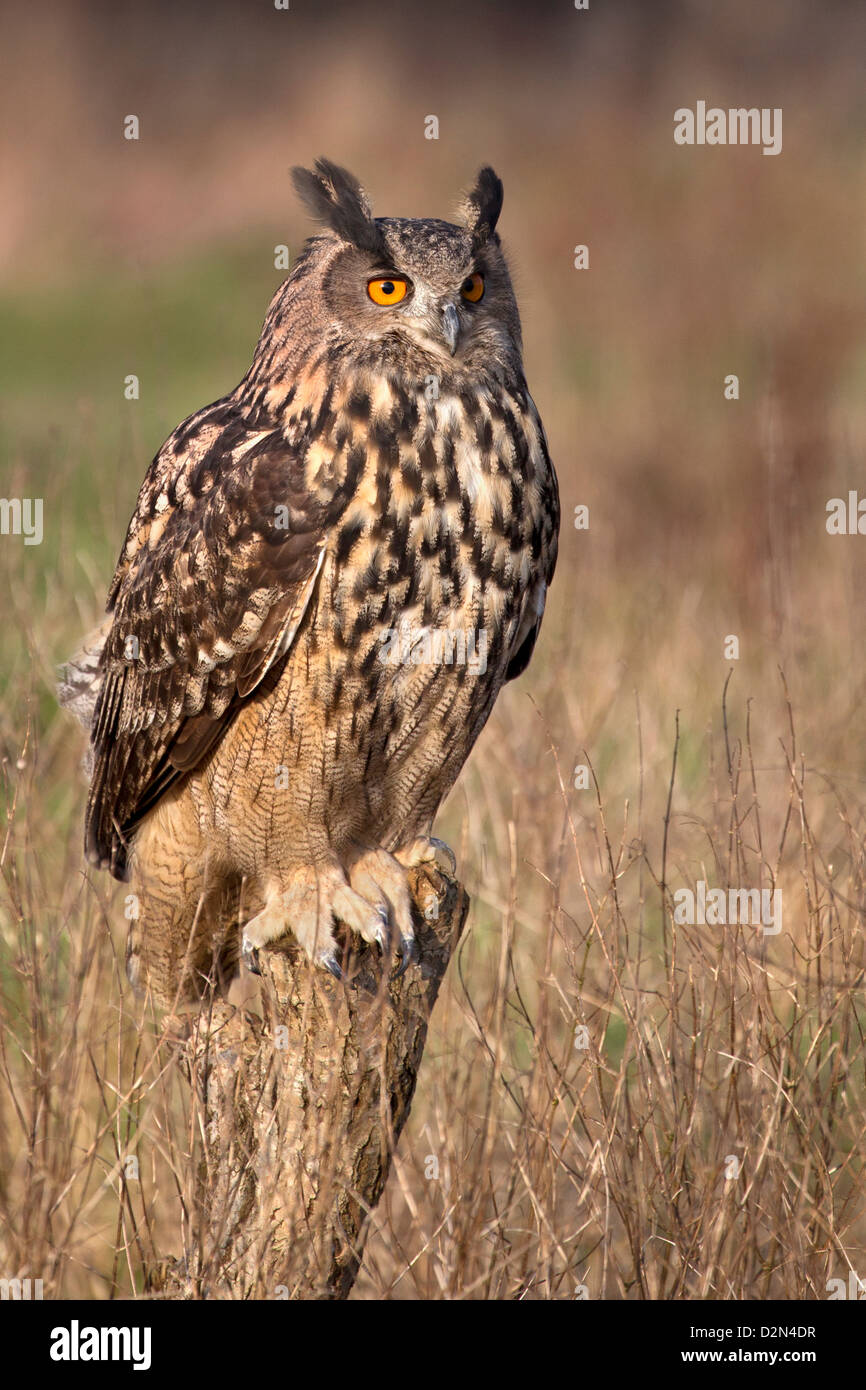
x=450 y=327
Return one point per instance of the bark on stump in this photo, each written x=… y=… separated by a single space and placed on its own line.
x=301 y=1100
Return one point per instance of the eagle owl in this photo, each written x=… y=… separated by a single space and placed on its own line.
x=329 y=576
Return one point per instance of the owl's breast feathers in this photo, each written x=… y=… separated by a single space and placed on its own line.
x=436 y=508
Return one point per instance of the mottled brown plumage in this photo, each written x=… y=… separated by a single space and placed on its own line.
x=329 y=576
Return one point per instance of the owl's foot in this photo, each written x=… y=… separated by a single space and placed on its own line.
x=434 y=858
x=381 y=879
x=426 y=849
x=308 y=906
x=375 y=901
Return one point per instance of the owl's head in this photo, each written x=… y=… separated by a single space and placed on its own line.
x=417 y=288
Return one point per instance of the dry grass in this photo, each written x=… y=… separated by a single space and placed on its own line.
x=530 y=1168
x=608 y=1169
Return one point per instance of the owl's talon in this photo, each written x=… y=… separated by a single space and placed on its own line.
x=442 y=851
x=409 y=955
x=328 y=961
x=250 y=956
x=383 y=934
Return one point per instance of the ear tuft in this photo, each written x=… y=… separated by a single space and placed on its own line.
x=481 y=208
x=337 y=200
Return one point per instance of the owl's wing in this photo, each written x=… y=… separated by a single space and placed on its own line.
x=529 y=624
x=219 y=567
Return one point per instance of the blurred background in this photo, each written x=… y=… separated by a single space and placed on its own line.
x=707 y=519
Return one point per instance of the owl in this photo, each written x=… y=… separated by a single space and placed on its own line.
x=330 y=574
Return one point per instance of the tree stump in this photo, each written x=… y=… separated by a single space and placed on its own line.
x=302 y=1094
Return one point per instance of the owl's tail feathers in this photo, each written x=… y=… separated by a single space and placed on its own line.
x=79 y=681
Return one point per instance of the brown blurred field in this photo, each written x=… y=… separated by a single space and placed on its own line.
x=558 y=1170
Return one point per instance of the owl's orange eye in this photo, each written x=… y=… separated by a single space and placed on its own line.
x=473 y=288
x=387 y=291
